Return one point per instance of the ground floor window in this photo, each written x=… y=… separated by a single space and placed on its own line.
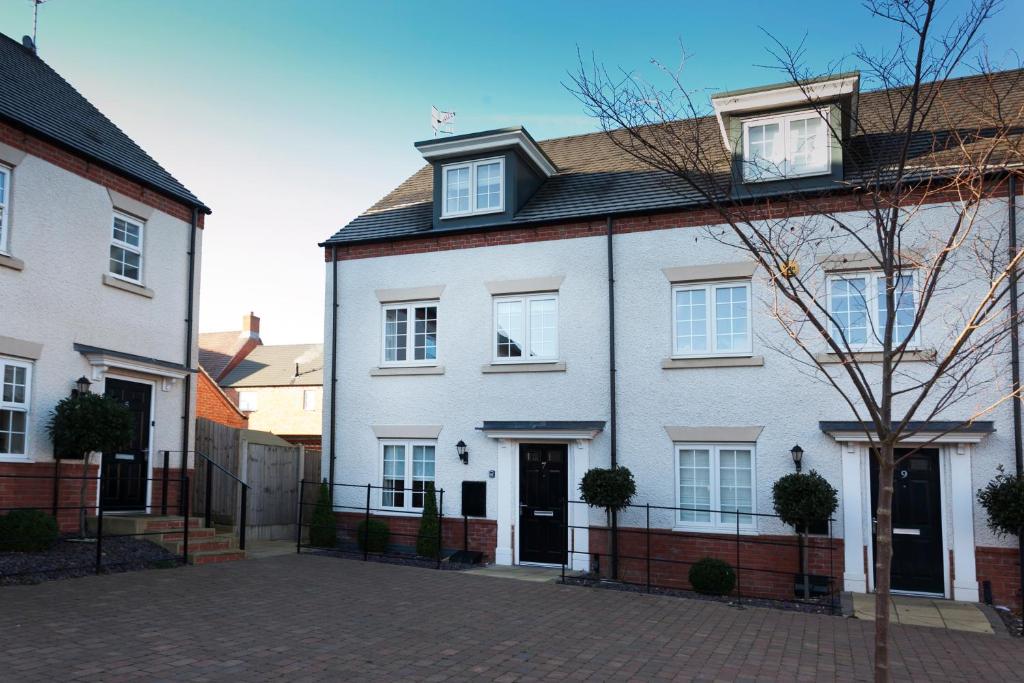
x=407 y=467
x=713 y=482
x=15 y=389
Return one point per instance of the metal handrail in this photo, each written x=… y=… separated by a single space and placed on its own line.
x=208 y=512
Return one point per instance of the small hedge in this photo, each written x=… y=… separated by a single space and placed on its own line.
x=376 y=540
x=1003 y=500
x=27 y=531
x=323 y=528
x=712 y=577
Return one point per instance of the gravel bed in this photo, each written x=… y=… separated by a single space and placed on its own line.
x=814 y=606
x=1014 y=622
x=72 y=558
x=406 y=560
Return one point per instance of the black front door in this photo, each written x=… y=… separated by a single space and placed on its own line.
x=125 y=471
x=916 y=522
x=543 y=493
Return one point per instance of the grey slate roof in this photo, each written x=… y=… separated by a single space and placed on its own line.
x=597 y=178
x=35 y=97
x=275 y=366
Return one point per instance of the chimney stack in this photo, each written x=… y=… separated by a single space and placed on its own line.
x=251 y=325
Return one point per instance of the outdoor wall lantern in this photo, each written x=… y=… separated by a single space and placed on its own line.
x=82 y=385
x=798 y=456
x=463 y=451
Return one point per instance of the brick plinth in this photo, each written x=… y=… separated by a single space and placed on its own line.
x=31 y=485
x=767 y=564
x=483 y=533
x=1001 y=567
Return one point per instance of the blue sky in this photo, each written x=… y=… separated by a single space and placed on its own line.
x=289 y=118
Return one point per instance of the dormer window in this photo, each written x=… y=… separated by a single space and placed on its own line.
x=785 y=146
x=473 y=187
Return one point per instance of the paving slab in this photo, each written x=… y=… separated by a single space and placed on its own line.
x=929 y=612
x=312 y=617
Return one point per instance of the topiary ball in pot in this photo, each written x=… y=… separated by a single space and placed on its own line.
x=27 y=531
x=612 y=489
x=712 y=577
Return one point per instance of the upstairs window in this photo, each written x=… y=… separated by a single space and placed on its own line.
x=711 y=319
x=473 y=187
x=787 y=146
x=126 y=248
x=5 y=190
x=857 y=306
x=410 y=334
x=15 y=385
x=526 y=328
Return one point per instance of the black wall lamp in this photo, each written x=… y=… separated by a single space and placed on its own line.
x=463 y=451
x=82 y=385
x=798 y=456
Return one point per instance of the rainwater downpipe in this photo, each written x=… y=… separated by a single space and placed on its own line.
x=612 y=431
x=189 y=325
x=1018 y=438
x=334 y=364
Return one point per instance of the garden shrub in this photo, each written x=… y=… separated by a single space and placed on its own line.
x=323 y=528
x=1003 y=500
x=27 y=531
x=712 y=577
x=612 y=489
x=427 y=541
x=373 y=535
x=801 y=500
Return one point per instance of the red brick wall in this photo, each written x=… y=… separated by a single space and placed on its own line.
x=1001 y=566
x=173 y=490
x=78 y=165
x=38 y=492
x=695 y=217
x=767 y=563
x=212 y=405
x=483 y=533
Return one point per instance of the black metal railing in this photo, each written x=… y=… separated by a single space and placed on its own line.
x=85 y=523
x=210 y=468
x=352 y=515
x=659 y=555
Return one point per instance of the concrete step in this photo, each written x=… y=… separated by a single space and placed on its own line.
x=193 y=534
x=137 y=524
x=212 y=556
x=218 y=542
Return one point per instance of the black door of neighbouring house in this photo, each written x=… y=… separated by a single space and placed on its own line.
x=125 y=470
x=543 y=495
x=916 y=522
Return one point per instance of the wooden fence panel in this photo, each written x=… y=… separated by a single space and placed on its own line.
x=220 y=444
x=311 y=473
x=272 y=473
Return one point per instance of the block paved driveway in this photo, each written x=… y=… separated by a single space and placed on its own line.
x=320 y=618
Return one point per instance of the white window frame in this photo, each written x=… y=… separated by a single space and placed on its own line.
x=408 y=444
x=410 y=336
x=711 y=323
x=312 y=394
x=254 y=402
x=716 y=523
x=525 y=299
x=472 y=166
x=5 y=208
x=128 y=247
x=20 y=407
x=762 y=175
x=872 y=343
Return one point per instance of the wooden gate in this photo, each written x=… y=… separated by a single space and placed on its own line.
x=270 y=466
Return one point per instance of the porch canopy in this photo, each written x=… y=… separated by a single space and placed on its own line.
x=546 y=429
x=922 y=431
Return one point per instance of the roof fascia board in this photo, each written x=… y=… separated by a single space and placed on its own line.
x=518 y=139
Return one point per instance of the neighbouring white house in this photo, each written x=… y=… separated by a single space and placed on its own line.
x=100 y=253
x=471 y=306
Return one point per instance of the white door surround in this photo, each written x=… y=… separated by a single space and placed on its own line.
x=507 y=483
x=957 y=500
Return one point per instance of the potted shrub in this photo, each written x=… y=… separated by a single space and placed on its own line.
x=323 y=528
x=1003 y=500
x=427 y=541
x=84 y=424
x=802 y=500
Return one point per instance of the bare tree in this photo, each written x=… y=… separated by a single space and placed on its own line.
x=926 y=173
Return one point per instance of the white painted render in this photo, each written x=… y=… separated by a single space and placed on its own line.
x=60 y=227
x=781 y=395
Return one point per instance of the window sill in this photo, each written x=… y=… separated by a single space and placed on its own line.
x=125 y=286
x=409 y=370
x=875 y=357
x=712 y=362
x=715 y=531
x=497 y=368
x=11 y=262
x=23 y=459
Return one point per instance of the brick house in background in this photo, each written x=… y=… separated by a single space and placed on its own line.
x=220 y=352
x=214 y=405
x=100 y=250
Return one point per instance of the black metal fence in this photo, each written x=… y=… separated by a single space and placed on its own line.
x=768 y=563
x=89 y=540
x=354 y=520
